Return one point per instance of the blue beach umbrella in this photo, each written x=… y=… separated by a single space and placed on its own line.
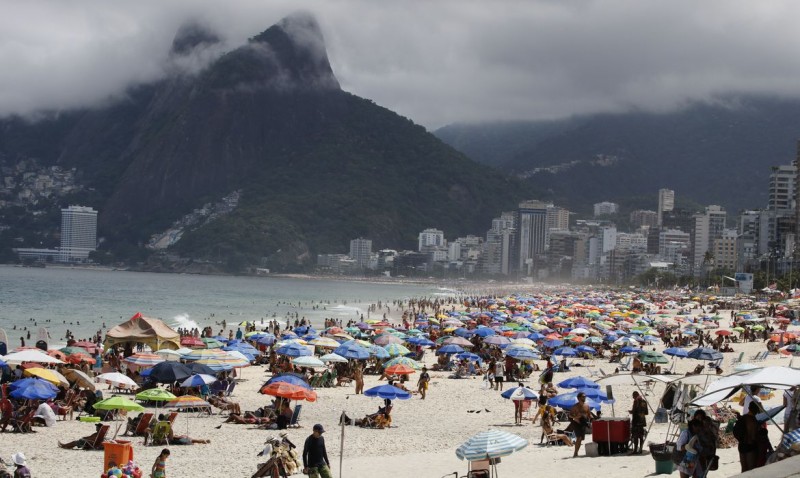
x=578 y=382
x=484 y=332
x=595 y=394
x=497 y=340
x=37 y=390
x=521 y=353
x=629 y=350
x=379 y=352
x=449 y=349
x=551 y=344
x=289 y=378
x=198 y=380
x=676 y=352
x=565 y=352
x=388 y=391
x=586 y=349
x=352 y=350
x=468 y=356
x=267 y=339
x=704 y=353
x=568 y=400
x=520 y=393
x=294 y=350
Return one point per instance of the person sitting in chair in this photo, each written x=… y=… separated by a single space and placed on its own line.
x=548 y=432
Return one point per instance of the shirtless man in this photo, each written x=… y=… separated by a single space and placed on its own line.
x=579 y=416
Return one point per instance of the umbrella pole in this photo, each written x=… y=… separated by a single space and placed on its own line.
x=341 y=444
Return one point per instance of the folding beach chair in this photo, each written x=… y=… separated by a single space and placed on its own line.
x=229 y=391
x=737 y=360
x=295 y=417
x=160 y=434
x=143 y=425
x=627 y=365
x=97 y=444
x=479 y=469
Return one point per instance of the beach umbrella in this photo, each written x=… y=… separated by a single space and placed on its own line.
x=33 y=389
x=187 y=401
x=155 y=395
x=189 y=341
x=585 y=349
x=169 y=372
x=216 y=365
x=308 y=361
x=211 y=343
x=388 y=391
x=404 y=361
x=36 y=356
x=198 y=380
x=80 y=379
x=50 y=375
x=266 y=339
x=490 y=444
x=396 y=349
x=704 y=353
x=80 y=357
x=289 y=391
x=324 y=342
x=553 y=343
x=449 y=349
x=171 y=355
x=144 y=360
x=651 y=356
x=332 y=357
x=568 y=400
x=118 y=403
x=595 y=394
x=520 y=393
x=469 y=356
x=293 y=350
x=89 y=346
x=387 y=339
x=484 y=332
x=352 y=350
x=200 y=354
x=290 y=378
x=73 y=350
x=520 y=353
x=676 y=352
x=460 y=341
x=497 y=340
x=423 y=342
x=197 y=367
x=399 y=369
x=117 y=379
x=565 y=352
x=378 y=351
x=578 y=382
x=237 y=358
x=629 y=349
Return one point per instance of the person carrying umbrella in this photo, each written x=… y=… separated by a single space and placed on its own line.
x=579 y=416
x=422 y=383
x=315 y=456
x=638 y=422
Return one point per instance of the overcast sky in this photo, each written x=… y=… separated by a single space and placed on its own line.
x=436 y=62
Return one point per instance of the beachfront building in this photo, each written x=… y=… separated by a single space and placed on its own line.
x=708 y=226
x=567 y=248
x=725 y=252
x=643 y=217
x=430 y=238
x=361 y=251
x=781 y=188
x=531 y=236
x=499 y=245
x=605 y=208
x=78 y=233
x=666 y=203
x=675 y=247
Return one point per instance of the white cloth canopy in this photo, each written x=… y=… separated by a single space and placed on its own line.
x=780 y=378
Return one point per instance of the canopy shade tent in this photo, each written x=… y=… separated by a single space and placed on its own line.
x=781 y=378
x=151 y=332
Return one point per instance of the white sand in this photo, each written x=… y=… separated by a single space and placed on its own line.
x=421 y=443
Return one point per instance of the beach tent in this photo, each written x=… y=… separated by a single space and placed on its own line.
x=781 y=378
x=152 y=332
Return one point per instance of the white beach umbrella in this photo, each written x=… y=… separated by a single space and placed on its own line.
x=117 y=379
x=170 y=355
x=335 y=358
x=308 y=361
x=36 y=356
x=490 y=444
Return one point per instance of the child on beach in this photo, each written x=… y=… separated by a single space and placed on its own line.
x=159 y=469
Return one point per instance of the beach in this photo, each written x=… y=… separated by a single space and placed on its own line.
x=421 y=441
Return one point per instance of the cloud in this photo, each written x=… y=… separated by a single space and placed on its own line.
x=434 y=62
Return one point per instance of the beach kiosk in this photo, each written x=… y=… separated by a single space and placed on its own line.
x=140 y=329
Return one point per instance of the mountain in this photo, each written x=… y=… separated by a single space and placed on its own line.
x=716 y=152
x=316 y=166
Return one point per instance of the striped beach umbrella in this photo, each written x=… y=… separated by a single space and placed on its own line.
x=187 y=401
x=308 y=361
x=144 y=360
x=490 y=444
x=396 y=349
x=324 y=342
x=200 y=354
x=404 y=361
x=216 y=365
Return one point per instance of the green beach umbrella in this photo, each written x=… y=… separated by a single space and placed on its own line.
x=212 y=343
x=118 y=403
x=74 y=350
x=403 y=361
x=155 y=395
x=651 y=356
x=396 y=349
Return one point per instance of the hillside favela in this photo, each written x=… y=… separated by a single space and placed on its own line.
x=370 y=239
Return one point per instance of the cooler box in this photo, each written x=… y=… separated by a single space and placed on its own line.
x=119 y=452
x=611 y=435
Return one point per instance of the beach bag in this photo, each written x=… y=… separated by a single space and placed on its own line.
x=677 y=456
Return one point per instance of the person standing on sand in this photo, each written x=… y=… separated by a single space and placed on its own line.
x=579 y=416
x=638 y=422
x=159 y=469
x=315 y=456
x=499 y=373
x=358 y=378
x=422 y=383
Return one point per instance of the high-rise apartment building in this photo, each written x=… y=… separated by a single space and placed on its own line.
x=78 y=233
x=666 y=203
x=781 y=188
x=430 y=238
x=361 y=251
x=642 y=217
x=708 y=226
x=605 y=208
x=725 y=251
x=531 y=234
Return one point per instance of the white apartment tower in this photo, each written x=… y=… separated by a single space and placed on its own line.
x=666 y=203
x=708 y=226
x=781 y=188
x=532 y=233
x=605 y=208
x=361 y=251
x=78 y=233
x=430 y=238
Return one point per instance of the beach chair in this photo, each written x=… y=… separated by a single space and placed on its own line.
x=479 y=469
x=737 y=360
x=627 y=365
x=755 y=357
x=293 y=423
x=229 y=391
x=97 y=443
x=159 y=435
x=526 y=408
x=172 y=417
x=143 y=425
x=23 y=424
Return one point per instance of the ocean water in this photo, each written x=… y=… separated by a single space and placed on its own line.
x=82 y=300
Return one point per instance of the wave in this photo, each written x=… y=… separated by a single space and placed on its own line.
x=183 y=321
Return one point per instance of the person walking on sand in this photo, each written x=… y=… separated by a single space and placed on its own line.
x=579 y=416
x=422 y=383
x=499 y=373
x=315 y=456
x=159 y=469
